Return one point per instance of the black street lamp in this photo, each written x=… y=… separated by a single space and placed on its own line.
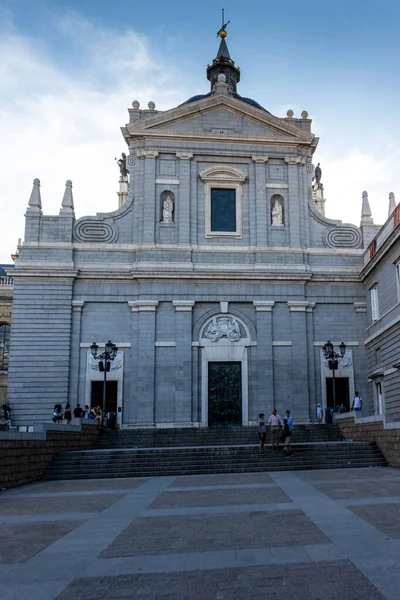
x=105 y=358
x=332 y=358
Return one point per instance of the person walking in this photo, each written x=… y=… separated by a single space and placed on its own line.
x=57 y=414
x=357 y=402
x=275 y=423
x=98 y=414
x=320 y=413
x=262 y=431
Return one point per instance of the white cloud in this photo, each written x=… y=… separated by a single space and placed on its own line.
x=60 y=123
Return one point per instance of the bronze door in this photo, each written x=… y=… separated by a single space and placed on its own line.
x=224 y=394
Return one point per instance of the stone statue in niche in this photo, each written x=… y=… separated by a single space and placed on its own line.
x=223 y=327
x=277 y=213
x=168 y=209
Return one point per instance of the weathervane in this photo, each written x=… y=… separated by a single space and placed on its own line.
x=222 y=32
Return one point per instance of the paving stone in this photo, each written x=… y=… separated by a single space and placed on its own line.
x=231 y=479
x=220 y=497
x=77 y=504
x=321 y=581
x=86 y=485
x=384 y=517
x=345 y=474
x=20 y=542
x=368 y=489
x=194 y=533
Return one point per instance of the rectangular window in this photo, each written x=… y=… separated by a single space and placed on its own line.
x=374 y=303
x=223 y=210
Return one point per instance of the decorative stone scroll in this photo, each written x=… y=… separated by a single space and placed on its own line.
x=92 y=229
x=343 y=236
x=223 y=327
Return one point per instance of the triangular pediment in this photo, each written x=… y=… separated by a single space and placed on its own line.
x=218 y=115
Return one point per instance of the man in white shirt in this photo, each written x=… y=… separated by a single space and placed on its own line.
x=357 y=402
x=275 y=424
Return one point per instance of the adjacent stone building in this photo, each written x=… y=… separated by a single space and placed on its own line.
x=218 y=277
x=6 y=290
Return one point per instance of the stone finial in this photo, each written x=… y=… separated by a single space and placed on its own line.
x=67 y=204
x=304 y=114
x=392 y=203
x=35 y=200
x=136 y=104
x=290 y=114
x=151 y=105
x=221 y=78
x=366 y=210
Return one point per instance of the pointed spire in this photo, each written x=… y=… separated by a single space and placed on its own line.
x=392 y=203
x=366 y=214
x=223 y=64
x=35 y=201
x=223 y=51
x=67 y=204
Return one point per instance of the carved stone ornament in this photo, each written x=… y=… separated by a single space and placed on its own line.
x=115 y=364
x=223 y=327
x=92 y=229
x=343 y=236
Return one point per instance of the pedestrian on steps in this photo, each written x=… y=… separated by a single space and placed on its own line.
x=262 y=431
x=286 y=438
x=275 y=424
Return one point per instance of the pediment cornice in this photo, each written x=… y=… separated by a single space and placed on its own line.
x=157 y=126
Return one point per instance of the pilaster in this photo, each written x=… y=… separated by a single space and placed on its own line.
x=145 y=360
x=265 y=400
x=299 y=359
x=149 y=209
x=77 y=307
x=183 y=360
x=130 y=408
x=184 y=197
x=261 y=200
x=293 y=201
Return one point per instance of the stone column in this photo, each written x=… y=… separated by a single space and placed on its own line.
x=300 y=383
x=145 y=405
x=293 y=201
x=183 y=361
x=265 y=399
x=149 y=209
x=184 y=197
x=130 y=411
x=77 y=306
x=261 y=200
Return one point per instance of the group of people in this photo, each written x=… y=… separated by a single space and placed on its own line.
x=61 y=414
x=281 y=431
x=5 y=417
x=324 y=413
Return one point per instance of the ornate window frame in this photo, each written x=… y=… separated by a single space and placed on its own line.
x=223 y=176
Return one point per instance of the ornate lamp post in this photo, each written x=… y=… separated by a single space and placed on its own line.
x=332 y=358
x=105 y=358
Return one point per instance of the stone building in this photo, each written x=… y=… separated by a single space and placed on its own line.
x=381 y=277
x=6 y=290
x=218 y=277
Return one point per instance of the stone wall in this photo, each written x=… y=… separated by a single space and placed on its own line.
x=387 y=439
x=25 y=456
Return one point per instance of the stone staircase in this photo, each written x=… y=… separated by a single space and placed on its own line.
x=145 y=453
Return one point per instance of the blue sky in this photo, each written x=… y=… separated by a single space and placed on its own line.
x=70 y=69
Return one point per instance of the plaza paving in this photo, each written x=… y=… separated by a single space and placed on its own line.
x=304 y=535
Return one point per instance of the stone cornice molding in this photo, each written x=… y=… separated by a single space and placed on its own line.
x=263 y=306
x=147 y=153
x=295 y=160
x=77 y=305
x=223 y=173
x=183 y=305
x=360 y=307
x=298 y=305
x=143 y=305
x=259 y=159
x=184 y=155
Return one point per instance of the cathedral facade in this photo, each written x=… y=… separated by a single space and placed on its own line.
x=218 y=278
